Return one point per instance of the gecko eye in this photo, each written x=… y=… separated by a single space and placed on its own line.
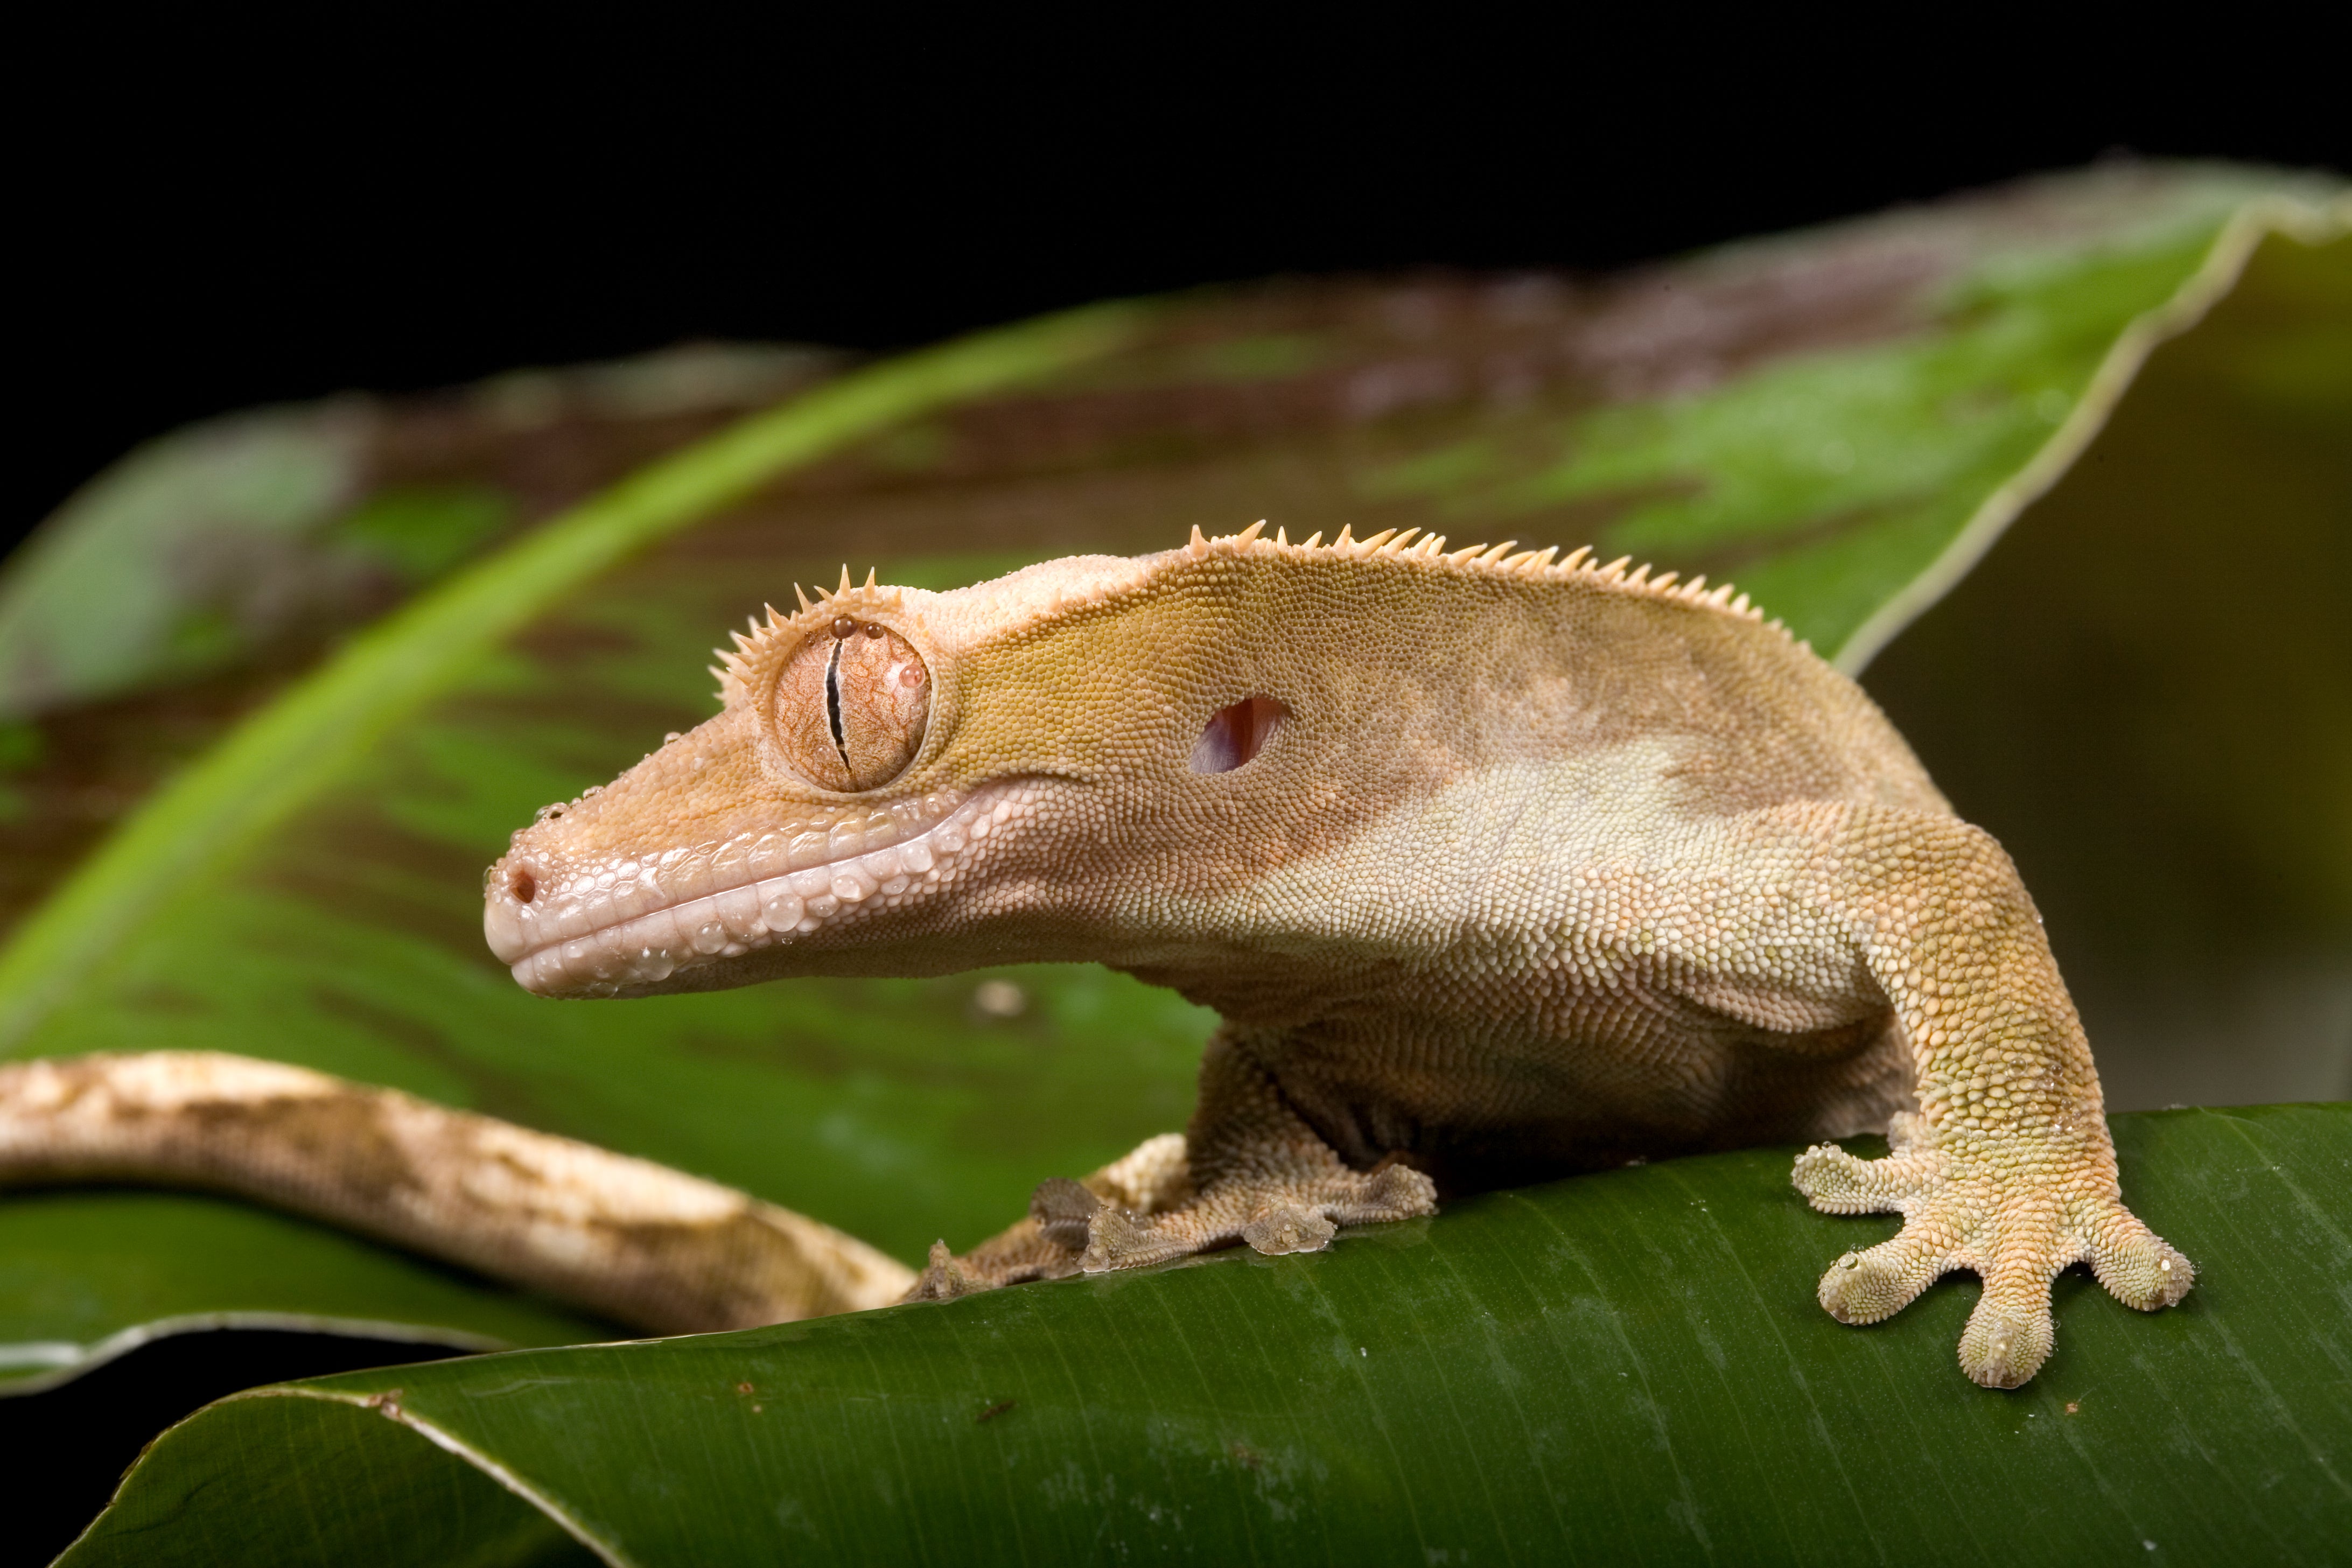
x=1235 y=734
x=850 y=711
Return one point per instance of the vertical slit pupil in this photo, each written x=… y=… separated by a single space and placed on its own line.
x=832 y=703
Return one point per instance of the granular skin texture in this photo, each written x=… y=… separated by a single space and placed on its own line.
x=1495 y=867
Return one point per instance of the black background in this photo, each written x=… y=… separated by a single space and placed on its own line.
x=226 y=223
x=212 y=220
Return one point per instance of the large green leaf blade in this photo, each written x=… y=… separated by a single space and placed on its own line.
x=408 y=1504
x=346 y=935
x=1627 y=1367
x=285 y=757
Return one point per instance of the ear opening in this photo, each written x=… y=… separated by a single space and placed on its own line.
x=1237 y=733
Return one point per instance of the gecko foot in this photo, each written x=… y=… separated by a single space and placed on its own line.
x=1271 y=1217
x=944 y=1277
x=1013 y=1258
x=2015 y=1211
x=1042 y=1244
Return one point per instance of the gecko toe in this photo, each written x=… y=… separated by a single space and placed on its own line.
x=1390 y=1193
x=1282 y=1228
x=1116 y=1238
x=945 y=1278
x=2137 y=1267
x=1835 y=1181
x=1065 y=1211
x=2009 y=1335
x=1865 y=1287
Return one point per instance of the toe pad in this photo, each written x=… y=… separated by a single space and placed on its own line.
x=1286 y=1227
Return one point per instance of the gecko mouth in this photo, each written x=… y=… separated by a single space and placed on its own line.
x=594 y=927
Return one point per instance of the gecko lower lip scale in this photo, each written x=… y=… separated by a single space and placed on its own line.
x=589 y=929
x=1497 y=867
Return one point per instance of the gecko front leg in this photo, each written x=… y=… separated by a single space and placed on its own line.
x=2007 y=1169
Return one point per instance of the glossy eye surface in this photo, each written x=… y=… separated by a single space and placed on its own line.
x=852 y=705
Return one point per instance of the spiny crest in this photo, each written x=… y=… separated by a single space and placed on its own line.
x=1539 y=566
x=763 y=644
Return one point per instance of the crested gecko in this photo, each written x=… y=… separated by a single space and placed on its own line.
x=1495 y=867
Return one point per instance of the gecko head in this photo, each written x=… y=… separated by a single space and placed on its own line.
x=897 y=782
x=1161 y=763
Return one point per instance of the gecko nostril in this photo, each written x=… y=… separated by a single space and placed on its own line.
x=523 y=885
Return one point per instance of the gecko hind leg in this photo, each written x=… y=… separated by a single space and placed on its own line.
x=1286 y=1215
x=1260 y=1176
x=1151 y=1177
x=1250 y=1170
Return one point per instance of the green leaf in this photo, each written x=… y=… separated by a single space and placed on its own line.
x=148 y=572
x=184 y=586
x=1627 y=1367
x=307 y=891
x=90 y=1275
x=281 y=760
x=234 y=538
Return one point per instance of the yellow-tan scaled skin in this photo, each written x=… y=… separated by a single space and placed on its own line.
x=1493 y=867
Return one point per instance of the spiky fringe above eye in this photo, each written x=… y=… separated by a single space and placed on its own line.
x=761 y=650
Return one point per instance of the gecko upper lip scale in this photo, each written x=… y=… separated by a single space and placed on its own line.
x=590 y=928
